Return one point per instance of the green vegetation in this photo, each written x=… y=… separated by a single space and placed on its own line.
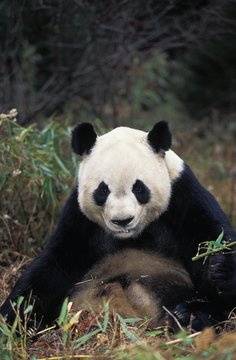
x=108 y=336
x=207 y=248
x=36 y=174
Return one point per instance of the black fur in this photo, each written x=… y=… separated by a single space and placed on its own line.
x=83 y=138
x=160 y=137
x=101 y=194
x=141 y=192
x=193 y=216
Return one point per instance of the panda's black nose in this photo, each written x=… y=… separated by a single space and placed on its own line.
x=122 y=222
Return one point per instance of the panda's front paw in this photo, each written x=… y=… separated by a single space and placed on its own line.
x=193 y=315
x=182 y=313
x=222 y=273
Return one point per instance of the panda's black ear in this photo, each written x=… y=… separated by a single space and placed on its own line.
x=83 y=138
x=160 y=137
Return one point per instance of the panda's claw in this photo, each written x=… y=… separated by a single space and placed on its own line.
x=194 y=314
x=182 y=314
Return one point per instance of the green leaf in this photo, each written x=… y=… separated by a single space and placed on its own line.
x=220 y=238
x=85 y=338
x=4 y=329
x=60 y=163
x=64 y=312
x=45 y=169
x=132 y=320
x=28 y=309
x=154 y=333
x=127 y=333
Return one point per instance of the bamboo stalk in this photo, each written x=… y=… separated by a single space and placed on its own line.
x=210 y=252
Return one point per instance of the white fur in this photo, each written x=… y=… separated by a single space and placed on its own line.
x=119 y=158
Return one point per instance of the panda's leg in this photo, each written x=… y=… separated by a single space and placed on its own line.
x=64 y=260
x=43 y=286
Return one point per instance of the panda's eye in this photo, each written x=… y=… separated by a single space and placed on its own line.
x=104 y=189
x=101 y=193
x=137 y=188
x=141 y=192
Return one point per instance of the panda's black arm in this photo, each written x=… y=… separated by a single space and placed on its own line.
x=44 y=286
x=63 y=261
x=197 y=217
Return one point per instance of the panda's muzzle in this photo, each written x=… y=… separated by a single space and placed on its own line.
x=122 y=222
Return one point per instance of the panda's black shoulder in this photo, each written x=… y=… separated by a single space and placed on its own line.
x=73 y=226
x=71 y=219
x=195 y=211
x=188 y=191
x=187 y=181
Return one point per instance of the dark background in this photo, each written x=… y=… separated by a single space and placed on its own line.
x=80 y=58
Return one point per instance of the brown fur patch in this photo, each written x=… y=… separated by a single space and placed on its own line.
x=135 y=299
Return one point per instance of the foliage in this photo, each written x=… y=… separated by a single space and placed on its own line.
x=13 y=339
x=151 y=86
x=108 y=336
x=208 y=248
x=34 y=180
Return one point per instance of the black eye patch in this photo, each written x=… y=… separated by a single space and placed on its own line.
x=101 y=194
x=141 y=192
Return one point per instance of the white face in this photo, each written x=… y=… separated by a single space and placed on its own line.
x=123 y=184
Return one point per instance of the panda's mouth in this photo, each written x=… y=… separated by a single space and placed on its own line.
x=124 y=231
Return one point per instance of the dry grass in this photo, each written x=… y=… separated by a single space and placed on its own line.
x=10 y=273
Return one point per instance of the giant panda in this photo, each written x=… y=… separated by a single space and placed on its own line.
x=133 y=193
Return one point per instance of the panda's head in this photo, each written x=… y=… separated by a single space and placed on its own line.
x=125 y=176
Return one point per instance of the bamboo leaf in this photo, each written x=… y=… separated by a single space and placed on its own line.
x=64 y=312
x=85 y=338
